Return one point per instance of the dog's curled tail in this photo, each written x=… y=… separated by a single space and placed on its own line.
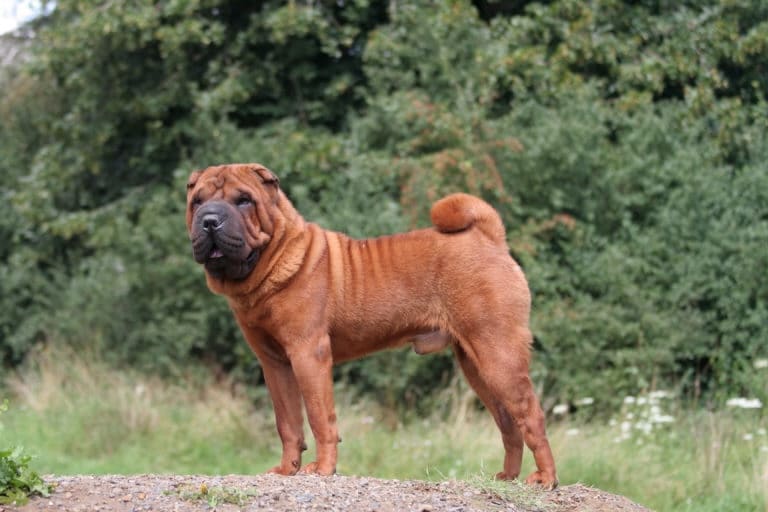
x=459 y=212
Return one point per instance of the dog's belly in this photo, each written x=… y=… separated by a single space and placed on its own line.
x=424 y=342
x=346 y=350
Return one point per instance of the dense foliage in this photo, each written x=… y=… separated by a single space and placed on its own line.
x=624 y=143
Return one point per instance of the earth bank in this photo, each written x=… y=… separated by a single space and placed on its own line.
x=181 y=493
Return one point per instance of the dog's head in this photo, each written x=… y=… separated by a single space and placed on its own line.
x=229 y=217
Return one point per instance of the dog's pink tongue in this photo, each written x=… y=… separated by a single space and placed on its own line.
x=216 y=253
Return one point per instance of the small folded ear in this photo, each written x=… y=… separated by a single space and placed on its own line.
x=192 y=180
x=267 y=176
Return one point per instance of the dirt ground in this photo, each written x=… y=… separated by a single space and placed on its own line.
x=178 y=493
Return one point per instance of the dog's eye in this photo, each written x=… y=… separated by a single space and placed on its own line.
x=244 y=201
x=196 y=202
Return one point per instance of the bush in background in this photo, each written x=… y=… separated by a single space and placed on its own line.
x=623 y=143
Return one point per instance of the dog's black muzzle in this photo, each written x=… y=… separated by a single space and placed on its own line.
x=219 y=243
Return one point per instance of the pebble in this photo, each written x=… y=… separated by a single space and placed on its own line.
x=304 y=498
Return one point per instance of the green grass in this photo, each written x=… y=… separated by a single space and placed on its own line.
x=701 y=463
x=80 y=416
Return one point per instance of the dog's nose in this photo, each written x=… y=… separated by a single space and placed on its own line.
x=211 y=222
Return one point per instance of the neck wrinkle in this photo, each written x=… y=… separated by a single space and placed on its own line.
x=287 y=246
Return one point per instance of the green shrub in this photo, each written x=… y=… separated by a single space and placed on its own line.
x=17 y=480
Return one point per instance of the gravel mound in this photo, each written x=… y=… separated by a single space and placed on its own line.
x=181 y=493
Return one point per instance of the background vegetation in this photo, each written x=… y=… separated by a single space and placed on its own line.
x=624 y=143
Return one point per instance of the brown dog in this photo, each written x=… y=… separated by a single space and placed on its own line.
x=306 y=298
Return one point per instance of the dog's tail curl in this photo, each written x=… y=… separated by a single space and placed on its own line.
x=459 y=212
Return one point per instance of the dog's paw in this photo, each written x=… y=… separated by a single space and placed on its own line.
x=315 y=468
x=280 y=470
x=542 y=479
x=501 y=475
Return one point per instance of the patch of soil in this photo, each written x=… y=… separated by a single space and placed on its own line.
x=178 y=493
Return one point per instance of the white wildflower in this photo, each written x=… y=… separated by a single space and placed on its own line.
x=644 y=426
x=560 y=409
x=629 y=400
x=761 y=431
x=744 y=403
x=760 y=363
x=660 y=394
x=748 y=437
x=588 y=400
x=572 y=432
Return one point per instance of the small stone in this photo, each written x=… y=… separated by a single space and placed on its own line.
x=304 y=498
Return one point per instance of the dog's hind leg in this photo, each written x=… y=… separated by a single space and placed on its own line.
x=503 y=371
x=510 y=434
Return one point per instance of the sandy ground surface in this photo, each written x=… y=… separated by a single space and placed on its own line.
x=181 y=493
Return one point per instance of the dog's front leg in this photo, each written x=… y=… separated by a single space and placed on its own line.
x=312 y=363
x=286 y=400
x=285 y=395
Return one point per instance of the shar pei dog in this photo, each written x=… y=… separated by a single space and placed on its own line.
x=306 y=298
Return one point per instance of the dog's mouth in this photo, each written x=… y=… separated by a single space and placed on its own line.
x=221 y=266
x=215 y=253
x=218 y=247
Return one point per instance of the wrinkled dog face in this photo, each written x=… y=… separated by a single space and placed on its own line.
x=226 y=219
